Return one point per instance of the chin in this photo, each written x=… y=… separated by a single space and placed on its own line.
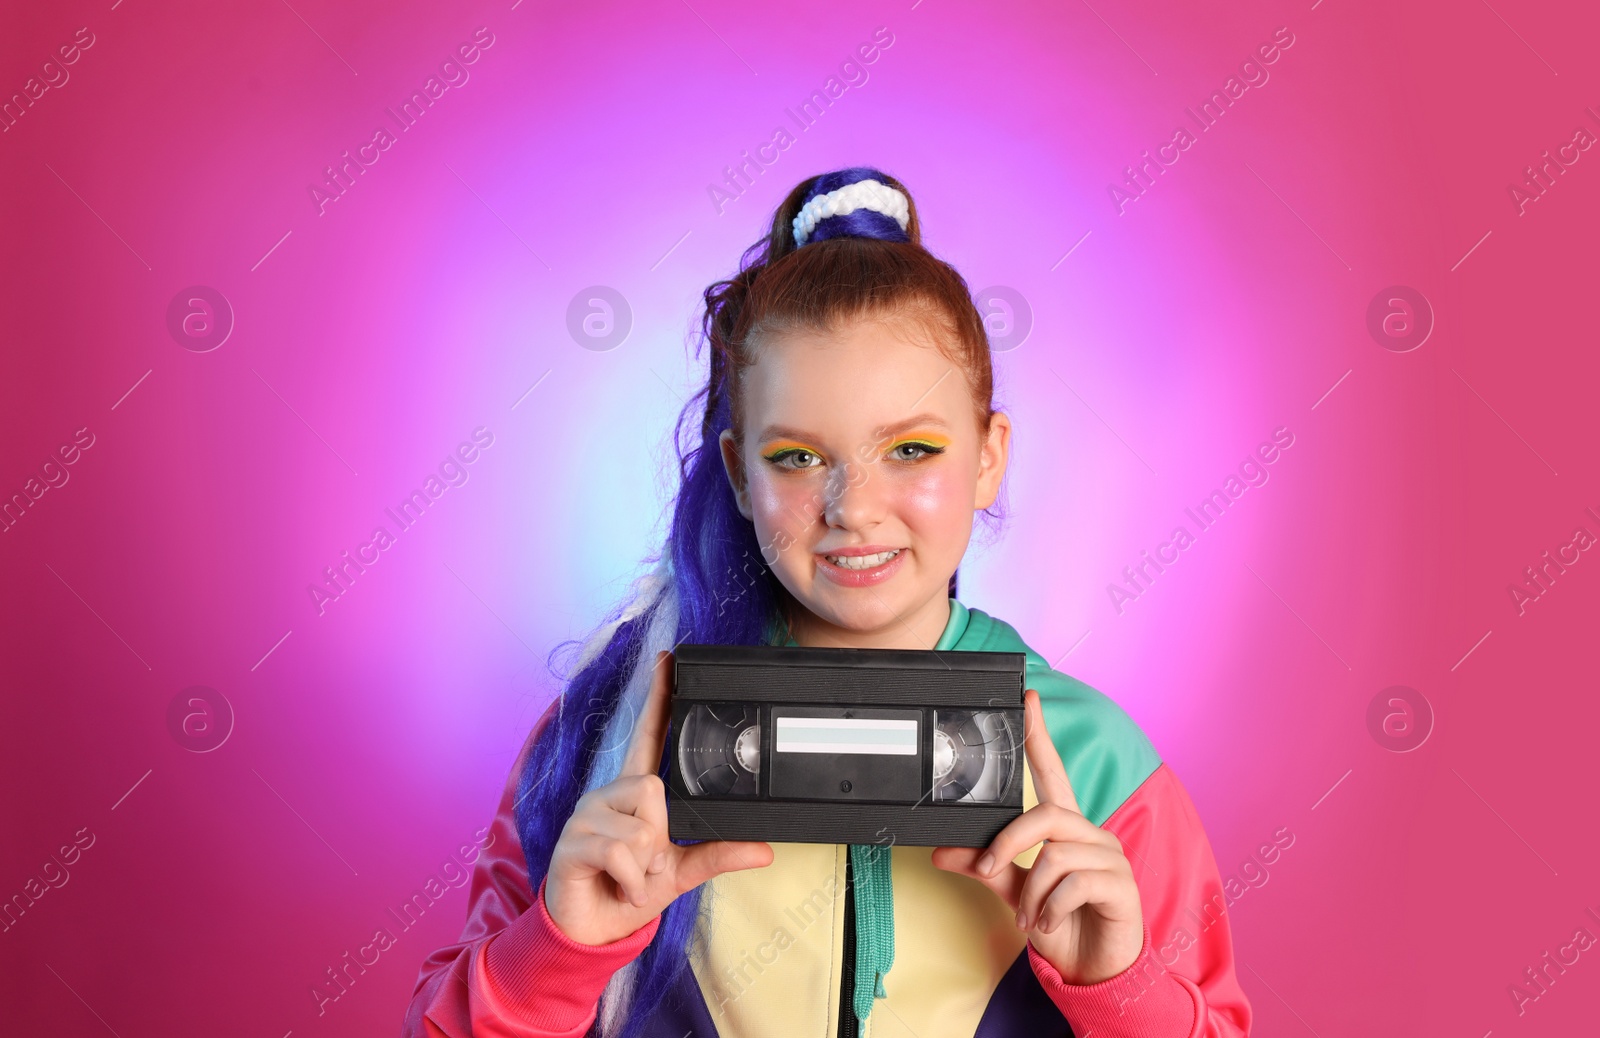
x=856 y=609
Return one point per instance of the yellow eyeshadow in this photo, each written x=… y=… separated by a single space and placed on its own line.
x=931 y=439
x=782 y=445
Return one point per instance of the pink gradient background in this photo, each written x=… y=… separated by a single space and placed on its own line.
x=375 y=738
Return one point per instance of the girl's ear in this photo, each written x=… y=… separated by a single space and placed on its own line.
x=734 y=466
x=992 y=459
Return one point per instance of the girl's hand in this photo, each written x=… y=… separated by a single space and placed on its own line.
x=613 y=869
x=1078 y=904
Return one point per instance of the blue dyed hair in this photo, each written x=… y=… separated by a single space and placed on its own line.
x=711 y=583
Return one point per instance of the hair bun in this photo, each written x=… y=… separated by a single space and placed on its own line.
x=852 y=203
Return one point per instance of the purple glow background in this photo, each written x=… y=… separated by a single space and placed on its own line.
x=1223 y=304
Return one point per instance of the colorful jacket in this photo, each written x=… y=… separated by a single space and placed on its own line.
x=770 y=965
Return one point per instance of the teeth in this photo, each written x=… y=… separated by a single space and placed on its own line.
x=862 y=561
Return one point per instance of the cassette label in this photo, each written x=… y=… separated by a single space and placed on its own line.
x=845 y=735
x=838 y=754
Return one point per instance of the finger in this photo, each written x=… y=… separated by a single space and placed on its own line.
x=1049 y=774
x=641 y=838
x=650 y=731
x=644 y=799
x=963 y=860
x=1055 y=863
x=1084 y=887
x=612 y=857
x=644 y=796
x=1007 y=883
x=695 y=864
x=1040 y=823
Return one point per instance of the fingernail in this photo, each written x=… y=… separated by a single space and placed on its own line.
x=1022 y=920
x=986 y=864
x=659 y=862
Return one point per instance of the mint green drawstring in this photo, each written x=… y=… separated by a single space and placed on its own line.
x=874 y=905
x=874 y=895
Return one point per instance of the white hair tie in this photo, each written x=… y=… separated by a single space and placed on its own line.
x=863 y=194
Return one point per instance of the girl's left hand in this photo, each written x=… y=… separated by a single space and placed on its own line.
x=1078 y=904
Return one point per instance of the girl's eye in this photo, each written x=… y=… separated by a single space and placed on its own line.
x=913 y=450
x=802 y=459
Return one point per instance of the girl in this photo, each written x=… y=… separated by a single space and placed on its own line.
x=846 y=438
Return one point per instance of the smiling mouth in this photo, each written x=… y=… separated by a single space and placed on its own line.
x=859 y=562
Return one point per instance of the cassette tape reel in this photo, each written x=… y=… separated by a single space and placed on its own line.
x=972 y=758
x=720 y=753
x=824 y=745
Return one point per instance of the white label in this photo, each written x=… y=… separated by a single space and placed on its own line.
x=844 y=735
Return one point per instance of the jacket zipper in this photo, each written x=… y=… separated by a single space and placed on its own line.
x=849 y=1026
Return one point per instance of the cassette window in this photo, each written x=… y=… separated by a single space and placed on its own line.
x=719 y=753
x=974 y=755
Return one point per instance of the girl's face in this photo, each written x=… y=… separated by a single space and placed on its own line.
x=861 y=467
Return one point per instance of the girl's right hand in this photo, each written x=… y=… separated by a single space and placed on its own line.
x=614 y=869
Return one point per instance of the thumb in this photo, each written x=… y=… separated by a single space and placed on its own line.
x=963 y=861
x=702 y=861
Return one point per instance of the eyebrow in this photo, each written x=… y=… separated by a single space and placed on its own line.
x=789 y=433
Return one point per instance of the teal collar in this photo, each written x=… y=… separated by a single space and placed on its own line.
x=955 y=629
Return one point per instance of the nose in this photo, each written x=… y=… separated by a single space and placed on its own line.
x=853 y=497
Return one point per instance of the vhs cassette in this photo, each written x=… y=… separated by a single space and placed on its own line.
x=827 y=745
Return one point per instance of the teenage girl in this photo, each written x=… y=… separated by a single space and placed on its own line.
x=846 y=438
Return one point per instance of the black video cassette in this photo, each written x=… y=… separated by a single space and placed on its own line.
x=799 y=744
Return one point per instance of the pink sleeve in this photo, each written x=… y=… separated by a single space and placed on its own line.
x=513 y=974
x=1183 y=984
